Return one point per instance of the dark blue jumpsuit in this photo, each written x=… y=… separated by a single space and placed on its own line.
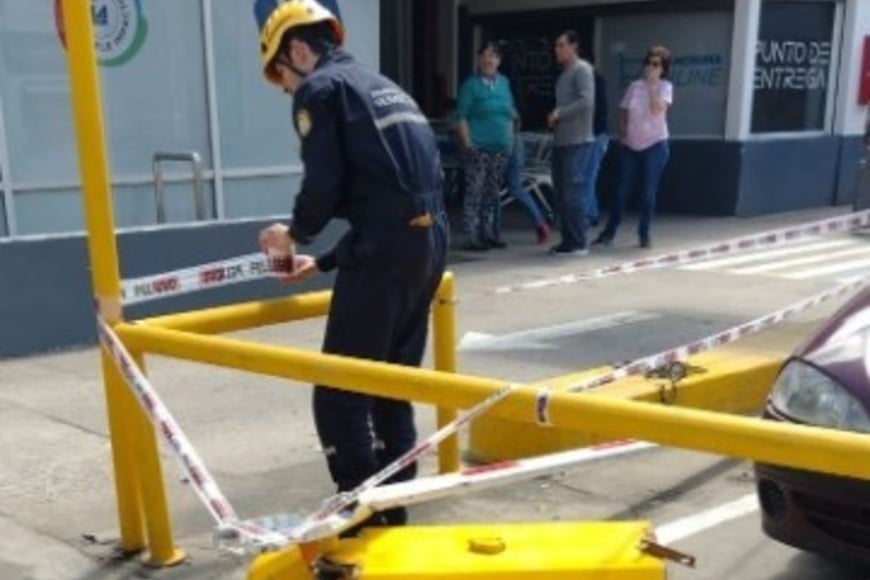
x=371 y=158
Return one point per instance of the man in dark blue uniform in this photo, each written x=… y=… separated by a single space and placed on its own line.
x=370 y=158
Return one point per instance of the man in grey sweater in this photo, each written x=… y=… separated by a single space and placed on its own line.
x=571 y=122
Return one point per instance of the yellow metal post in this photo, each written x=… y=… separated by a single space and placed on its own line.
x=97 y=200
x=444 y=337
x=157 y=523
x=102 y=252
x=120 y=408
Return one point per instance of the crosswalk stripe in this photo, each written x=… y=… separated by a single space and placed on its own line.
x=832 y=269
x=758 y=256
x=849 y=279
x=820 y=257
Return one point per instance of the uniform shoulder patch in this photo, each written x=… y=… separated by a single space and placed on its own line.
x=303 y=122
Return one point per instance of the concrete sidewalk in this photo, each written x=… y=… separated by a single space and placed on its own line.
x=57 y=506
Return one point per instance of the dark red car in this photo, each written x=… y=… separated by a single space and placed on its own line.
x=826 y=382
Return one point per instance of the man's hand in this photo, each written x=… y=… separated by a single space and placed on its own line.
x=275 y=240
x=553 y=119
x=304 y=268
x=276 y=243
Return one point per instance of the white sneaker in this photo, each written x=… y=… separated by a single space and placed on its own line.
x=561 y=250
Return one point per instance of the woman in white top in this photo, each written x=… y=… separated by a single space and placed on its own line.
x=643 y=133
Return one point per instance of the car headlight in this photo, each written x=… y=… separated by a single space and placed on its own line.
x=807 y=395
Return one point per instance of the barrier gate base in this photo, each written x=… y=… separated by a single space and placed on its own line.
x=551 y=551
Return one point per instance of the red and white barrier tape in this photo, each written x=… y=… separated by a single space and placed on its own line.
x=197 y=473
x=681 y=353
x=257 y=266
x=475 y=478
x=423 y=489
x=328 y=520
x=195 y=470
x=733 y=334
x=206 y=276
x=755 y=241
x=240 y=536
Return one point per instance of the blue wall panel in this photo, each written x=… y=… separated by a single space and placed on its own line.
x=46 y=298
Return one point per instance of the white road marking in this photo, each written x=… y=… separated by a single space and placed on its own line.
x=700 y=522
x=822 y=257
x=831 y=269
x=764 y=255
x=536 y=338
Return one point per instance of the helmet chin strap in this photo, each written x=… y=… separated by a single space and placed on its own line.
x=296 y=70
x=286 y=60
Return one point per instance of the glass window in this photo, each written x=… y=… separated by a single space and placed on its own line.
x=55 y=210
x=256 y=128
x=154 y=89
x=35 y=94
x=700 y=45
x=792 y=66
x=261 y=196
x=135 y=205
x=255 y=117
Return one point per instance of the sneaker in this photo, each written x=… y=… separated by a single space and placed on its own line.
x=543 y=233
x=475 y=247
x=602 y=240
x=645 y=243
x=562 y=250
x=496 y=243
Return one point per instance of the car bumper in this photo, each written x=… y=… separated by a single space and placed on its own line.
x=819 y=513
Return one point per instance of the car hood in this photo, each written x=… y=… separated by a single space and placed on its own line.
x=841 y=347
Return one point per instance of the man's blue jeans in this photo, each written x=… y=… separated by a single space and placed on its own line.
x=590 y=176
x=643 y=168
x=568 y=163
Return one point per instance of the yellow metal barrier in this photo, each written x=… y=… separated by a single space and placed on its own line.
x=734 y=381
x=121 y=408
x=247 y=315
x=551 y=551
x=157 y=523
x=444 y=319
x=93 y=167
x=300 y=307
x=795 y=446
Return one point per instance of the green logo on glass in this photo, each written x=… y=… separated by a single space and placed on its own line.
x=119 y=30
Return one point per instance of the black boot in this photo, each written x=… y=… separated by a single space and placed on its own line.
x=373 y=521
x=603 y=239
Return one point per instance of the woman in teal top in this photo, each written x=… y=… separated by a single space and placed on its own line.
x=486 y=114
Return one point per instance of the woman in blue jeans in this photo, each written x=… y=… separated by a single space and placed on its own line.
x=514 y=182
x=644 y=136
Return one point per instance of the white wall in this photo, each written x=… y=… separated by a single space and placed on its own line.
x=744 y=33
x=850 y=116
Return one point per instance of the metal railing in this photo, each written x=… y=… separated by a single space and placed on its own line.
x=195 y=161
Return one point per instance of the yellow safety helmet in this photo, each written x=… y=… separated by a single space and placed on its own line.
x=275 y=17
